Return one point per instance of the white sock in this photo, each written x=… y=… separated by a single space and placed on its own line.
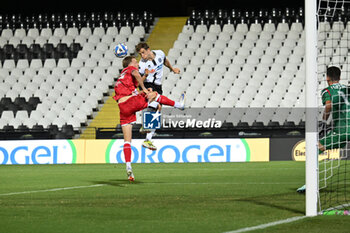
x=128 y=165
x=150 y=134
x=157 y=98
x=153 y=105
x=178 y=105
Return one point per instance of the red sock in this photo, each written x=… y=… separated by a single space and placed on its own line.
x=165 y=100
x=127 y=152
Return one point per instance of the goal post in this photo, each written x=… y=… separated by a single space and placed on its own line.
x=311 y=131
x=327 y=49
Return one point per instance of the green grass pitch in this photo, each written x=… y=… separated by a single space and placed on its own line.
x=202 y=197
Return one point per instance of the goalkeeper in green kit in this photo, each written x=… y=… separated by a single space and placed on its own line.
x=336 y=99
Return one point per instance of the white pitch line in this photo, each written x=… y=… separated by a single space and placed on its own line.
x=150 y=183
x=222 y=169
x=52 y=190
x=266 y=225
x=222 y=183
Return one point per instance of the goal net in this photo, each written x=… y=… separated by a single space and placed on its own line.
x=333 y=51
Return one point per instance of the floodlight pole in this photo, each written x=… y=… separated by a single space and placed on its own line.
x=311 y=137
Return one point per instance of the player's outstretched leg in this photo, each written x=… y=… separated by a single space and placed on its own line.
x=161 y=99
x=151 y=132
x=127 y=133
x=127 y=156
x=149 y=109
x=148 y=143
x=166 y=101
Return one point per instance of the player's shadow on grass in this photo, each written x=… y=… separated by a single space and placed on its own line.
x=117 y=182
x=263 y=200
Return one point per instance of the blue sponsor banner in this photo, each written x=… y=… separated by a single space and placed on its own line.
x=182 y=151
x=37 y=152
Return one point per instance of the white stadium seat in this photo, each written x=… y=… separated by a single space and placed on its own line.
x=73 y=32
x=140 y=31
x=54 y=40
x=215 y=28
x=59 y=32
x=33 y=32
x=41 y=40
x=201 y=29
x=189 y=29
x=125 y=30
x=27 y=41
x=242 y=28
x=7 y=33
x=113 y=31
x=67 y=39
x=229 y=28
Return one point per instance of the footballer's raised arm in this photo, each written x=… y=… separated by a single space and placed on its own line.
x=167 y=64
x=139 y=79
x=142 y=71
x=327 y=110
x=144 y=75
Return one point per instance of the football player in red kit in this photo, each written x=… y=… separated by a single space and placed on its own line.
x=130 y=101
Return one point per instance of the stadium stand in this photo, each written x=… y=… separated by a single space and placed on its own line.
x=54 y=70
x=54 y=67
x=246 y=68
x=242 y=60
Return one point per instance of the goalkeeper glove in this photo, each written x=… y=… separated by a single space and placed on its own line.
x=322 y=129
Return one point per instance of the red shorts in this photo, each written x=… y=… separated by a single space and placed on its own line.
x=129 y=108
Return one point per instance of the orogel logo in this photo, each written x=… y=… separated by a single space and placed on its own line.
x=182 y=151
x=37 y=152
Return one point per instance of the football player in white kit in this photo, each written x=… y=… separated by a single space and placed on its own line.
x=152 y=63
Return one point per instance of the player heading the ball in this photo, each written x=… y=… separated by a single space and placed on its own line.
x=130 y=101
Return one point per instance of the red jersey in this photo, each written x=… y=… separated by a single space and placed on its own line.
x=126 y=83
